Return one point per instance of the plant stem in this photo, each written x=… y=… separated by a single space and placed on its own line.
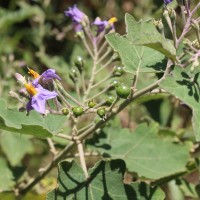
x=90 y=131
x=82 y=158
x=105 y=65
x=102 y=81
x=62 y=90
x=92 y=73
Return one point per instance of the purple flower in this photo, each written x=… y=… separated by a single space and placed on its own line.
x=103 y=25
x=100 y=24
x=38 y=97
x=75 y=14
x=167 y=1
x=44 y=77
x=78 y=17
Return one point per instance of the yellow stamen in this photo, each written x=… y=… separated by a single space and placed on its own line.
x=33 y=73
x=30 y=89
x=112 y=20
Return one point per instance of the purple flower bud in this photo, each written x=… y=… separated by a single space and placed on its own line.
x=21 y=79
x=167 y=1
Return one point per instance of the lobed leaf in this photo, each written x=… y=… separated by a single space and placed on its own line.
x=105 y=182
x=185 y=86
x=143 y=151
x=145 y=33
x=134 y=57
x=34 y=124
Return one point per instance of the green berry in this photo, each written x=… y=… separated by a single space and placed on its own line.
x=78 y=111
x=79 y=63
x=101 y=112
x=109 y=100
x=123 y=91
x=91 y=104
x=118 y=71
x=65 y=111
x=115 y=82
x=73 y=75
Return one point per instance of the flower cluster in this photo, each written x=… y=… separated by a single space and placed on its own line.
x=80 y=20
x=38 y=95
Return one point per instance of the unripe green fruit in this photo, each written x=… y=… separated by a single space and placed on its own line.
x=123 y=91
x=115 y=83
x=78 y=111
x=91 y=104
x=73 y=75
x=101 y=112
x=79 y=63
x=65 y=111
x=109 y=100
x=118 y=71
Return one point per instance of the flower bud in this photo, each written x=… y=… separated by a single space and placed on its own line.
x=21 y=79
x=172 y=14
x=159 y=25
x=79 y=63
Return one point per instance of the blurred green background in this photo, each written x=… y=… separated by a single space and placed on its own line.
x=36 y=33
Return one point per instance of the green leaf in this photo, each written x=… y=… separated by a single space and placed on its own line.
x=105 y=182
x=143 y=151
x=8 y=18
x=34 y=124
x=15 y=147
x=6 y=176
x=135 y=58
x=145 y=33
x=185 y=86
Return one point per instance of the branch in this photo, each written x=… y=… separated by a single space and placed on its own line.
x=91 y=130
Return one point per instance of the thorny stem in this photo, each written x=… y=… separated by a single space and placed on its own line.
x=90 y=131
